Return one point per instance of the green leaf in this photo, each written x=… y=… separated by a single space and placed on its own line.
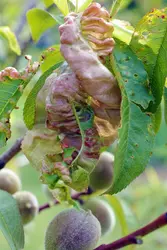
x=165 y=104
x=29 y=107
x=115 y=7
x=85 y=4
x=62 y=193
x=82 y=5
x=39 y=21
x=119 y=4
x=80 y=179
x=133 y=77
x=48 y=3
x=136 y=135
x=136 y=140
x=68 y=152
x=51 y=57
x=118 y=209
x=122 y=30
x=10 y=36
x=157 y=119
x=149 y=42
x=10 y=92
x=59 y=19
x=63 y=6
x=10 y=221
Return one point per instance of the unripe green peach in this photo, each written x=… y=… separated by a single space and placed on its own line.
x=28 y=205
x=73 y=230
x=103 y=212
x=47 y=192
x=9 y=181
x=102 y=175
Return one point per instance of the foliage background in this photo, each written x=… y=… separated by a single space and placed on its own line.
x=145 y=198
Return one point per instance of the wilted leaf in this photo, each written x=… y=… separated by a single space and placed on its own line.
x=39 y=144
x=10 y=36
x=149 y=42
x=10 y=221
x=39 y=21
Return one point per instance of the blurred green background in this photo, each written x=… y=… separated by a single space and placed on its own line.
x=145 y=198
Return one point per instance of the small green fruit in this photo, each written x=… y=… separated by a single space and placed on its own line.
x=47 y=192
x=73 y=230
x=9 y=181
x=102 y=176
x=28 y=205
x=103 y=212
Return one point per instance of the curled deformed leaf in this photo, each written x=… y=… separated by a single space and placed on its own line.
x=40 y=145
x=85 y=59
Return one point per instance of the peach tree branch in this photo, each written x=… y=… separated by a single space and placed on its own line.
x=136 y=237
x=10 y=153
x=76 y=197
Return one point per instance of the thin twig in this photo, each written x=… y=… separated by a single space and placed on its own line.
x=47 y=205
x=135 y=237
x=20 y=26
x=74 y=197
x=22 y=17
x=10 y=153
